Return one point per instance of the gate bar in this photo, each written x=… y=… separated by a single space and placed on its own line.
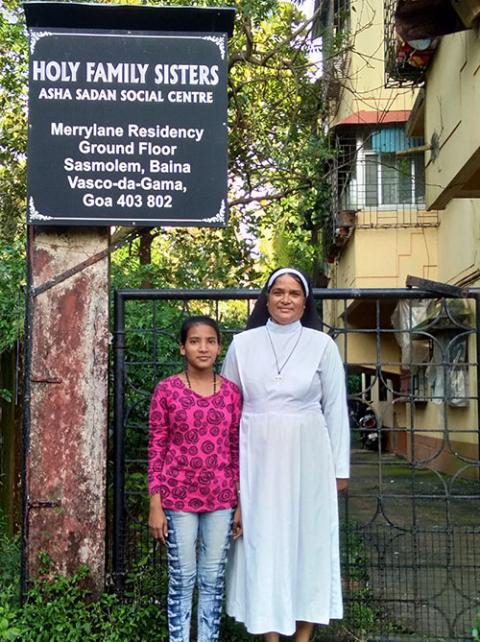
x=318 y=293
x=477 y=365
x=118 y=561
x=122 y=295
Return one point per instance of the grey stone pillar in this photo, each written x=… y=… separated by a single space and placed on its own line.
x=67 y=391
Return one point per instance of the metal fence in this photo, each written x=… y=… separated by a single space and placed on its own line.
x=410 y=525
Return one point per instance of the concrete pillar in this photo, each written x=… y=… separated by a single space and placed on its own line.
x=66 y=454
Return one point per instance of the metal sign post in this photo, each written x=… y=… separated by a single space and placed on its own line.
x=127 y=126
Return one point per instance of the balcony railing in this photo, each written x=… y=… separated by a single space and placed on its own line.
x=375 y=187
x=413 y=29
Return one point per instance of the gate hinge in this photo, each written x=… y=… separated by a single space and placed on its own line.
x=44 y=503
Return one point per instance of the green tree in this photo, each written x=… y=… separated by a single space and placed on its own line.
x=12 y=279
x=278 y=157
x=278 y=164
x=13 y=124
x=13 y=131
x=278 y=154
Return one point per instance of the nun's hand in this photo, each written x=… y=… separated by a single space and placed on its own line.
x=237 y=529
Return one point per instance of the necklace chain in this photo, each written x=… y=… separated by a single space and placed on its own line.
x=214 y=381
x=278 y=367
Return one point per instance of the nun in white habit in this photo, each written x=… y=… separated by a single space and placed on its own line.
x=284 y=573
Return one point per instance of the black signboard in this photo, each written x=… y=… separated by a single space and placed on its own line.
x=127 y=128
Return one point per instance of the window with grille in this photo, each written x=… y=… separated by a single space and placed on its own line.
x=374 y=176
x=394 y=180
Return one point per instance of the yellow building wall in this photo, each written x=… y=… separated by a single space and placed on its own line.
x=361 y=351
x=382 y=258
x=459 y=242
x=451 y=120
x=458 y=424
x=364 y=76
x=452 y=127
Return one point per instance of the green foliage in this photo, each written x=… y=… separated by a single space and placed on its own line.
x=354 y=558
x=9 y=560
x=476 y=629
x=9 y=584
x=12 y=278
x=13 y=128
x=186 y=258
x=361 y=614
x=6 y=394
x=9 y=630
x=13 y=137
x=62 y=610
x=231 y=631
x=276 y=147
x=354 y=384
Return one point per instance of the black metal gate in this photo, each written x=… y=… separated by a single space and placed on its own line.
x=411 y=519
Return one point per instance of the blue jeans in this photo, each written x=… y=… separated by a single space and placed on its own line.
x=213 y=532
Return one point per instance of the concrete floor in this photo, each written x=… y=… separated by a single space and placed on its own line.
x=415 y=566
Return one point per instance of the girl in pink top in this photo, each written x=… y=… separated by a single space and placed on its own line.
x=193 y=479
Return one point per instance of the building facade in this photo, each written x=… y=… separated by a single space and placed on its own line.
x=403 y=96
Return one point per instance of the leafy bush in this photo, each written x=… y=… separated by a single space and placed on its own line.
x=476 y=629
x=9 y=560
x=12 y=298
x=9 y=585
x=9 y=629
x=232 y=631
x=62 y=610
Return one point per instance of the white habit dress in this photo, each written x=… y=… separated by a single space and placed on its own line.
x=294 y=443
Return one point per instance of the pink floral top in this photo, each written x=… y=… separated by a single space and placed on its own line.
x=193 y=446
